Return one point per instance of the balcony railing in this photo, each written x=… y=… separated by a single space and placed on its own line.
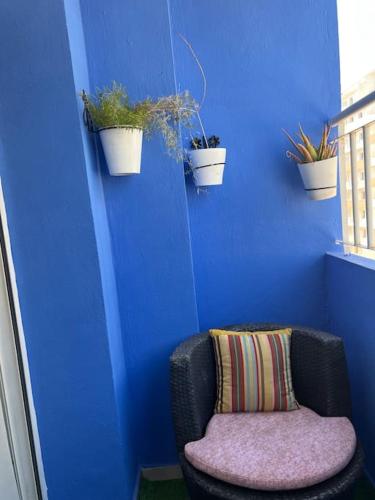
x=357 y=174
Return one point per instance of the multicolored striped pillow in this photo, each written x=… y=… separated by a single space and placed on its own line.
x=253 y=371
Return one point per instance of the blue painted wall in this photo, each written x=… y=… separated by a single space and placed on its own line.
x=115 y=272
x=129 y=42
x=103 y=242
x=257 y=242
x=351 y=292
x=53 y=213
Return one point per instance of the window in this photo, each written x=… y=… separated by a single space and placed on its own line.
x=357 y=130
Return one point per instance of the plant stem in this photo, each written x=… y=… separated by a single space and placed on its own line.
x=199 y=66
x=203 y=132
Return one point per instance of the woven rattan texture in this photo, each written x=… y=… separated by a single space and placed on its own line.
x=320 y=381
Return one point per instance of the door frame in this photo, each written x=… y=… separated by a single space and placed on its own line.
x=21 y=351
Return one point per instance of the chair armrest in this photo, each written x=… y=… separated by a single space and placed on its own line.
x=319 y=372
x=193 y=386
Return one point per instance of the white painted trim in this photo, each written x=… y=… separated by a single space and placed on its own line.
x=23 y=345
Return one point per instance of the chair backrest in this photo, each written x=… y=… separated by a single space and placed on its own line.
x=319 y=375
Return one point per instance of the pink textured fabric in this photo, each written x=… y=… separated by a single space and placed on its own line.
x=273 y=451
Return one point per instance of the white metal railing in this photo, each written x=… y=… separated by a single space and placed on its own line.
x=357 y=192
x=353 y=108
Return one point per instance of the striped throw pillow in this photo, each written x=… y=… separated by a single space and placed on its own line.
x=253 y=371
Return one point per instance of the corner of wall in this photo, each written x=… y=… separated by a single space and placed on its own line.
x=103 y=239
x=188 y=222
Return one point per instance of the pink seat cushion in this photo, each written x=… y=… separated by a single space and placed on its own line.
x=273 y=451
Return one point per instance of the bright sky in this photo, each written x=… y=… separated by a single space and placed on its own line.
x=357 y=39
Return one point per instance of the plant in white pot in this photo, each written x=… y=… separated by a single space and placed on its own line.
x=207 y=161
x=317 y=164
x=121 y=124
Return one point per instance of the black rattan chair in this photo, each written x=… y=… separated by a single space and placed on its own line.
x=320 y=382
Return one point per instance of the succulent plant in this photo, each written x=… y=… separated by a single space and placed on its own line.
x=203 y=143
x=213 y=141
x=307 y=152
x=196 y=143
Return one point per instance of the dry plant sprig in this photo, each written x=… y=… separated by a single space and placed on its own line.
x=307 y=152
x=204 y=79
x=195 y=57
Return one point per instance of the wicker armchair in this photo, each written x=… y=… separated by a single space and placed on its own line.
x=318 y=361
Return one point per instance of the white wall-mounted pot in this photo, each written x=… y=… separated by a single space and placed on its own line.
x=208 y=166
x=122 y=147
x=320 y=178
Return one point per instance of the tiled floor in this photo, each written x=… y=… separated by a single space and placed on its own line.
x=175 y=490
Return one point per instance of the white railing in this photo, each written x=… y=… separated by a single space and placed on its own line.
x=357 y=162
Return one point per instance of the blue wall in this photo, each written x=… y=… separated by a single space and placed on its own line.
x=103 y=242
x=257 y=242
x=115 y=272
x=54 y=230
x=351 y=292
x=148 y=219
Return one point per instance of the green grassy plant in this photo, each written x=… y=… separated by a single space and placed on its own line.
x=111 y=107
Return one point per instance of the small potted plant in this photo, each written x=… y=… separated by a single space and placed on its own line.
x=207 y=161
x=317 y=164
x=121 y=124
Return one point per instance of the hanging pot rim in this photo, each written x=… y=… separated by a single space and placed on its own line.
x=120 y=126
x=207 y=149
x=311 y=163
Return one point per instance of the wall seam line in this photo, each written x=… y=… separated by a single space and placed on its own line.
x=185 y=193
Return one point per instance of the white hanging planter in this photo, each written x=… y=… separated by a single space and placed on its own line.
x=208 y=166
x=122 y=147
x=320 y=178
